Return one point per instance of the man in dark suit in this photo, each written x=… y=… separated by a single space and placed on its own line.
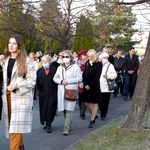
x=118 y=64
x=131 y=68
x=111 y=57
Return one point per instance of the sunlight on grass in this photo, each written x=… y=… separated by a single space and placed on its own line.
x=113 y=138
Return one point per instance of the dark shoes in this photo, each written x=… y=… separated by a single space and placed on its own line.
x=44 y=127
x=91 y=125
x=102 y=118
x=82 y=117
x=125 y=98
x=48 y=129
x=21 y=147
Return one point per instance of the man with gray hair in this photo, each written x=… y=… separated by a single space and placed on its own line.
x=111 y=57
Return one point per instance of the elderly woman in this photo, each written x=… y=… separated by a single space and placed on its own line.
x=68 y=76
x=108 y=72
x=47 y=92
x=91 y=89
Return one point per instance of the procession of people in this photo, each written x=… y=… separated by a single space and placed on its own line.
x=83 y=73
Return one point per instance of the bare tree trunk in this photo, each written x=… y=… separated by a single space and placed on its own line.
x=138 y=113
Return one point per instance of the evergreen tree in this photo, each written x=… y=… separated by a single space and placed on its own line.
x=113 y=25
x=18 y=19
x=84 y=35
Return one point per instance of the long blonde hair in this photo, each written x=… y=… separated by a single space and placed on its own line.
x=93 y=55
x=21 y=55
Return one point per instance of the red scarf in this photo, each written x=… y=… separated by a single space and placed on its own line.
x=47 y=71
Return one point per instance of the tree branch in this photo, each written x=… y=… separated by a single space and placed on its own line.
x=18 y=3
x=134 y=3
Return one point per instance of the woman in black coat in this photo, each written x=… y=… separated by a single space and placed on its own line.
x=91 y=89
x=47 y=92
x=1 y=80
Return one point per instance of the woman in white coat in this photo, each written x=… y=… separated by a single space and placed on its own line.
x=19 y=79
x=111 y=74
x=68 y=75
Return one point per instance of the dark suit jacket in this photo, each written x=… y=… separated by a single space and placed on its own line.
x=118 y=63
x=131 y=64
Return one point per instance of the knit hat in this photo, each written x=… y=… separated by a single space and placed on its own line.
x=82 y=52
x=103 y=55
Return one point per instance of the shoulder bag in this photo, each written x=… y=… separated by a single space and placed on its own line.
x=70 y=94
x=111 y=83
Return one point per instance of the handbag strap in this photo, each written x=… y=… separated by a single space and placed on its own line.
x=62 y=73
x=107 y=68
x=63 y=76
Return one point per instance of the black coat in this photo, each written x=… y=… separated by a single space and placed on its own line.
x=111 y=59
x=47 y=95
x=131 y=64
x=1 y=80
x=91 y=76
x=118 y=64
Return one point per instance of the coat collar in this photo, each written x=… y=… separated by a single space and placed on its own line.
x=71 y=63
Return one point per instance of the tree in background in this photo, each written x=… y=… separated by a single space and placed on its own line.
x=17 y=18
x=58 y=19
x=137 y=118
x=50 y=25
x=53 y=25
x=84 y=35
x=113 y=25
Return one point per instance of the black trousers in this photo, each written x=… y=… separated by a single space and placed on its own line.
x=50 y=112
x=120 y=87
x=105 y=104
x=81 y=105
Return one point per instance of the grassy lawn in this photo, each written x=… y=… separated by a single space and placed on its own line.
x=112 y=137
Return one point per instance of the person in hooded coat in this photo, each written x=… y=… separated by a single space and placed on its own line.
x=47 y=92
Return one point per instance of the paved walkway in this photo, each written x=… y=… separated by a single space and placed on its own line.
x=40 y=140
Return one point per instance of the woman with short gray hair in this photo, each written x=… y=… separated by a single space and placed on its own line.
x=47 y=92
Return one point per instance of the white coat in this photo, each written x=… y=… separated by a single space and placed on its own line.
x=73 y=76
x=21 y=100
x=111 y=74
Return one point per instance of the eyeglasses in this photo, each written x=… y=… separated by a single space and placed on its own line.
x=65 y=56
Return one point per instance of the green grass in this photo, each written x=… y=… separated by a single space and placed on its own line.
x=113 y=138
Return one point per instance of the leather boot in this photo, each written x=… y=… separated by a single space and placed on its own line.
x=21 y=147
x=91 y=125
